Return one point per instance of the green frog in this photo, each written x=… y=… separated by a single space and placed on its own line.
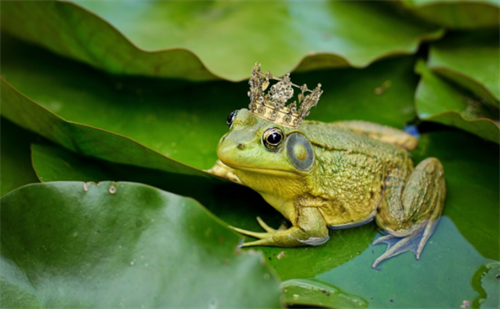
x=333 y=175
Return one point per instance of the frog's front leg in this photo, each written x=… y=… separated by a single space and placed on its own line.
x=224 y=171
x=411 y=208
x=309 y=228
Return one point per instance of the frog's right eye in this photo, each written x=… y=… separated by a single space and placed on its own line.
x=273 y=138
x=230 y=118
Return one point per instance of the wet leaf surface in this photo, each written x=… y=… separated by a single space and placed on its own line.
x=123 y=245
x=441 y=101
x=306 y=292
x=309 y=35
x=456 y=14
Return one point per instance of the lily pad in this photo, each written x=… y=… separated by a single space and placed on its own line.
x=183 y=121
x=440 y=101
x=305 y=292
x=457 y=14
x=163 y=38
x=15 y=158
x=65 y=244
x=487 y=283
x=470 y=59
x=82 y=138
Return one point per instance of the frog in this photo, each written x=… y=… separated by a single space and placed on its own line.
x=323 y=176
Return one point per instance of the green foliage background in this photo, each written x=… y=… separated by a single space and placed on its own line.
x=111 y=112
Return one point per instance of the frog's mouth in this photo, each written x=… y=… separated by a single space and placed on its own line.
x=261 y=170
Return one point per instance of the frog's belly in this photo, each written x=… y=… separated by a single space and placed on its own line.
x=353 y=224
x=343 y=215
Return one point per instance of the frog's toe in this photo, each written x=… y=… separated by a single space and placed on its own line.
x=382 y=239
x=264 y=239
x=260 y=242
x=266 y=227
x=250 y=233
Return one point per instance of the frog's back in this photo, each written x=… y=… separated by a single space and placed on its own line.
x=351 y=170
x=332 y=137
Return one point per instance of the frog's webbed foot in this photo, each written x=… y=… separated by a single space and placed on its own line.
x=396 y=245
x=224 y=171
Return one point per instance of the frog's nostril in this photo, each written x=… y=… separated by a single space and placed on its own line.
x=223 y=138
x=241 y=146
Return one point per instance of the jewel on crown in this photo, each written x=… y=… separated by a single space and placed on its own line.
x=272 y=105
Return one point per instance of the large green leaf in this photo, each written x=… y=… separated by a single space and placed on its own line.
x=84 y=139
x=183 y=121
x=440 y=101
x=15 y=158
x=74 y=244
x=457 y=14
x=216 y=39
x=470 y=59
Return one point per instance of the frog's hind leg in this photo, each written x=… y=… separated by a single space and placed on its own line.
x=411 y=209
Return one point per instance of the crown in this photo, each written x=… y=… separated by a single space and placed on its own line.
x=272 y=105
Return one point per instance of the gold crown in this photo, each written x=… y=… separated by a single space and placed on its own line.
x=272 y=105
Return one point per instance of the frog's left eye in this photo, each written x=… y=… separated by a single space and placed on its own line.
x=230 y=118
x=273 y=138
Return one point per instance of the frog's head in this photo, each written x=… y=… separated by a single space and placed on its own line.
x=260 y=146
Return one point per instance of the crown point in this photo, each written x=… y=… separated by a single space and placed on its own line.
x=265 y=85
x=273 y=105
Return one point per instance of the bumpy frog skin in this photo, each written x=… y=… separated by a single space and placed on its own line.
x=334 y=175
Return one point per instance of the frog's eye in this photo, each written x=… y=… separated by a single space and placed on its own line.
x=273 y=138
x=230 y=118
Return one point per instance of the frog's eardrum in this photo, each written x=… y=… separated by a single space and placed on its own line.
x=300 y=151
